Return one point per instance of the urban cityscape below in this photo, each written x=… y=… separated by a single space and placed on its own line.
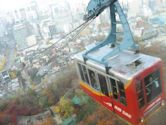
x=38 y=80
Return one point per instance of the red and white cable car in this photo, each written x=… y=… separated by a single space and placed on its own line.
x=114 y=74
x=132 y=88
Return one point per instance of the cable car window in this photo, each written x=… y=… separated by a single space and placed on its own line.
x=85 y=74
x=114 y=88
x=103 y=84
x=152 y=85
x=93 y=80
x=140 y=94
x=122 y=96
x=81 y=72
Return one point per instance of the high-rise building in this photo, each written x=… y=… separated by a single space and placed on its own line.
x=21 y=32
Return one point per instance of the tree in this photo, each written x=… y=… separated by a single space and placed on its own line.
x=43 y=101
x=65 y=108
x=46 y=121
x=3 y=105
x=52 y=95
x=13 y=74
x=101 y=116
x=2 y=62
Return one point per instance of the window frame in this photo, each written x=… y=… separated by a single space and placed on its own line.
x=108 y=82
x=143 y=92
x=96 y=78
x=145 y=85
x=79 y=72
x=118 y=91
x=108 y=88
x=112 y=88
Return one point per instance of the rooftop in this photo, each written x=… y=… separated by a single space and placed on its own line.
x=125 y=64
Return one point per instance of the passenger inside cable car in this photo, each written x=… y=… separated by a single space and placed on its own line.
x=153 y=85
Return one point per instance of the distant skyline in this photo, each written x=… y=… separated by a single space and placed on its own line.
x=7 y=5
x=134 y=6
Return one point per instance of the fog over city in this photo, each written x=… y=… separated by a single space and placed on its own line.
x=39 y=84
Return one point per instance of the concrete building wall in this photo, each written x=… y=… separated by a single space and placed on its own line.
x=20 y=35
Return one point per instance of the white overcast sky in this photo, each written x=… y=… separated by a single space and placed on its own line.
x=6 y=5
x=11 y=4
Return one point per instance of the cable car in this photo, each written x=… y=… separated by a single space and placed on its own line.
x=115 y=74
x=133 y=87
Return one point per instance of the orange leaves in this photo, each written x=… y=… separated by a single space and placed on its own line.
x=46 y=121
x=100 y=117
x=65 y=108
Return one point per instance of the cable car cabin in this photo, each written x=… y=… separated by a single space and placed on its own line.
x=133 y=87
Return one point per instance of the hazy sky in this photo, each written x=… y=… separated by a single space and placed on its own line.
x=7 y=5
x=12 y=4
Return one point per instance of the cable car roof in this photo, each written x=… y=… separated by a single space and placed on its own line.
x=125 y=64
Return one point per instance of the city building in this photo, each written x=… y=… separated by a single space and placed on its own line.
x=4 y=77
x=21 y=31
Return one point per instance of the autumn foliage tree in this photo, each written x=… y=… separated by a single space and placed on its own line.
x=46 y=121
x=64 y=108
x=59 y=86
x=22 y=105
x=101 y=116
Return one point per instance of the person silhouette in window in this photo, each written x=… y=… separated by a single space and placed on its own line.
x=93 y=80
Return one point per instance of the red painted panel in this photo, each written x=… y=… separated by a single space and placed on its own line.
x=107 y=102
x=131 y=112
x=131 y=98
x=116 y=107
x=145 y=111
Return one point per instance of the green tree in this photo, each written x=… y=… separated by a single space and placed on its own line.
x=65 y=108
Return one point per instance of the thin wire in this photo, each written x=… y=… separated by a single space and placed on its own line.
x=79 y=28
x=65 y=36
x=79 y=31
